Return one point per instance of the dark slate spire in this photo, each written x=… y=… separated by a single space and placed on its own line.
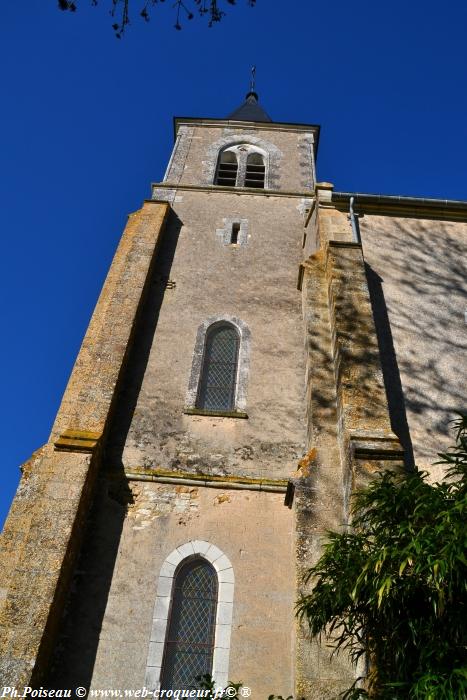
x=250 y=110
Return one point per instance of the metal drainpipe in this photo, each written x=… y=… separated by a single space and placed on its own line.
x=354 y=222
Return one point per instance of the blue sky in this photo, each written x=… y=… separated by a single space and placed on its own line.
x=86 y=125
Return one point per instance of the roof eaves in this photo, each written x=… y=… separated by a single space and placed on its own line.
x=410 y=206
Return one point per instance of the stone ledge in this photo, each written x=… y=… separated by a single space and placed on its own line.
x=344 y=244
x=308 y=194
x=165 y=476
x=77 y=441
x=218 y=414
x=375 y=447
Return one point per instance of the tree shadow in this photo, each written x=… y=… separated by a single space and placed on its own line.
x=81 y=627
x=389 y=366
x=421 y=265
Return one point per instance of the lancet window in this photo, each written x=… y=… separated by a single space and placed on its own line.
x=189 y=645
x=219 y=368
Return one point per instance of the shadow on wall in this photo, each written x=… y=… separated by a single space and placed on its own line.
x=75 y=652
x=81 y=627
x=421 y=265
x=128 y=394
x=416 y=274
x=391 y=375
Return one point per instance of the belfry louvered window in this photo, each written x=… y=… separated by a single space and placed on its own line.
x=227 y=169
x=189 y=644
x=219 y=371
x=255 y=171
x=242 y=165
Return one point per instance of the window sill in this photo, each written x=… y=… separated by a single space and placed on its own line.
x=219 y=414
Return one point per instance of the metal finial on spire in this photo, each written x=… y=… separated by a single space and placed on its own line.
x=253 y=79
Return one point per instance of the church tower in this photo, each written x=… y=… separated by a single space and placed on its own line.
x=225 y=401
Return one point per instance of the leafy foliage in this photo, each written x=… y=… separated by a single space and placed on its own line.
x=207 y=682
x=120 y=10
x=395 y=587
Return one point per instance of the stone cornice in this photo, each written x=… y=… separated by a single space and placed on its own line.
x=257 y=126
x=165 y=476
x=231 y=190
x=251 y=126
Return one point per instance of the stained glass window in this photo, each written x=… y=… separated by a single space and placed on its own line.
x=219 y=371
x=190 y=638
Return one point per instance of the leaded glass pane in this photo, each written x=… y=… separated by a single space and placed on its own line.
x=190 y=640
x=218 y=377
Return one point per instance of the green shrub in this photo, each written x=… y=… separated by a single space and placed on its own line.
x=395 y=587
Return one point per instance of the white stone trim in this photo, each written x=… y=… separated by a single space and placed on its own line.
x=242 y=151
x=224 y=234
x=179 y=155
x=243 y=364
x=226 y=581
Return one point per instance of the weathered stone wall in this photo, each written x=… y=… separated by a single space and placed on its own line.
x=319 y=485
x=349 y=431
x=108 y=630
x=198 y=277
x=290 y=154
x=417 y=273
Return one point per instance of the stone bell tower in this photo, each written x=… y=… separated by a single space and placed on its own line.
x=215 y=421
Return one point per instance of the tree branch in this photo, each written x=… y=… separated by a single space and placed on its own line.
x=120 y=11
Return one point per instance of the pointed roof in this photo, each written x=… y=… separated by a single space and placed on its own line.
x=250 y=110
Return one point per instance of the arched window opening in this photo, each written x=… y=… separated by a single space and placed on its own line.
x=227 y=169
x=255 y=171
x=241 y=165
x=189 y=644
x=219 y=371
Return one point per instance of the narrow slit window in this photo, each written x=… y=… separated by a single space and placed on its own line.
x=189 y=644
x=255 y=171
x=227 y=169
x=219 y=370
x=234 y=234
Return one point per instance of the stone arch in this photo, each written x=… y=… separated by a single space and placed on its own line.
x=226 y=581
x=271 y=152
x=243 y=365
